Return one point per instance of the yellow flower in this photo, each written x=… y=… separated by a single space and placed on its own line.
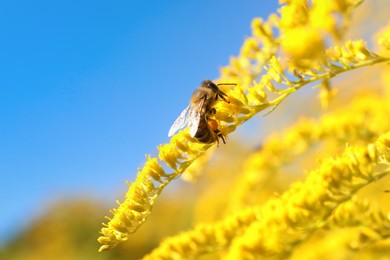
x=286 y=222
x=204 y=238
x=303 y=45
x=294 y=14
x=383 y=38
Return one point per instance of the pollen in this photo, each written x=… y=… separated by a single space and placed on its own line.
x=213 y=124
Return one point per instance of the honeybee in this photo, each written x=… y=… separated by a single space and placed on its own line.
x=197 y=114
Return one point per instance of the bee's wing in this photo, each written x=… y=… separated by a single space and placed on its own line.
x=181 y=121
x=194 y=118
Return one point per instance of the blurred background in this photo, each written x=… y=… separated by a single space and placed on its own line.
x=87 y=89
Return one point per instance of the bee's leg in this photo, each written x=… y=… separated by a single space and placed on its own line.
x=217 y=139
x=219 y=135
x=213 y=111
x=222 y=96
x=222 y=137
x=213 y=125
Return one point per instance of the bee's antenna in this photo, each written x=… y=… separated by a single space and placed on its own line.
x=219 y=84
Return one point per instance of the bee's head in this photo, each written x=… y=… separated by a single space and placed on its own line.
x=211 y=85
x=214 y=87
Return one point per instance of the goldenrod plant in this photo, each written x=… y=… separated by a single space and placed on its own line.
x=304 y=44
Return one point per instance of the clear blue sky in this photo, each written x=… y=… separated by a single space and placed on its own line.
x=89 y=87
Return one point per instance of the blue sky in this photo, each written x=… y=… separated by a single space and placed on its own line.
x=89 y=87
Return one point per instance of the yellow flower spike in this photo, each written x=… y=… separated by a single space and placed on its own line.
x=266 y=81
x=244 y=64
x=360 y=50
x=138 y=196
x=263 y=34
x=257 y=96
x=360 y=213
x=132 y=207
x=338 y=126
x=148 y=185
x=325 y=15
x=154 y=170
x=182 y=146
x=170 y=155
x=224 y=116
x=384 y=147
x=236 y=65
x=250 y=48
x=118 y=225
x=346 y=55
x=236 y=107
x=294 y=14
x=105 y=240
x=237 y=97
x=276 y=66
x=235 y=103
x=137 y=206
x=269 y=236
x=372 y=152
x=334 y=53
x=276 y=77
x=228 y=129
x=324 y=22
x=182 y=141
x=110 y=238
x=384 y=37
x=204 y=237
x=310 y=46
x=257 y=27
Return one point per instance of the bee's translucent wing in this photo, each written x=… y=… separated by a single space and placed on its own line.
x=194 y=118
x=181 y=121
